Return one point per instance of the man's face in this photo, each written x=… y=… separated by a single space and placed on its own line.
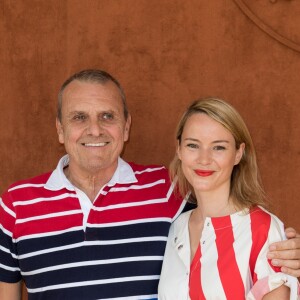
x=93 y=128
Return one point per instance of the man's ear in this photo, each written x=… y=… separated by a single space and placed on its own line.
x=239 y=154
x=127 y=128
x=60 y=131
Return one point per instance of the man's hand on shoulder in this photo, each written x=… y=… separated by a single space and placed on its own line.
x=286 y=254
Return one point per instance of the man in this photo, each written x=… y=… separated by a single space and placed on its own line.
x=95 y=227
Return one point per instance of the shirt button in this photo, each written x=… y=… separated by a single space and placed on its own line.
x=175 y=240
x=180 y=247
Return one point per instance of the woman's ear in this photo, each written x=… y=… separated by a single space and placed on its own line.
x=239 y=154
x=178 y=149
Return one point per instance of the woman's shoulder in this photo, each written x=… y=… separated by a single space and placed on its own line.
x=181 y=223
x=263 y=220
x=263 y=215
x=183 y=218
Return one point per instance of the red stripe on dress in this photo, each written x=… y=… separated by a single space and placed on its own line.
x=196 y=292
x=260 y=224
x=233 y=285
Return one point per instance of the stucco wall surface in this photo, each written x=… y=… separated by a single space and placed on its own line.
x=165 y=53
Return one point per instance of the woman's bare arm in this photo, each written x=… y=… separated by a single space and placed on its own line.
x=282 y=293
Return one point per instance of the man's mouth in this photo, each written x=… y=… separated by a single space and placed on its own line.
x=95 y=144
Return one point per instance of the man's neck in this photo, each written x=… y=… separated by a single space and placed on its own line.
x=89 y=183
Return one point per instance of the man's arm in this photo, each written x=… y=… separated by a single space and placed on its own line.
x=10 y=291
x=286 y=254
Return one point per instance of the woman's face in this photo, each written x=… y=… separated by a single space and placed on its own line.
x=208 y=154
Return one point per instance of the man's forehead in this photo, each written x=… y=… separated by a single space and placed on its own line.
x=85 y=88
x=90 y=105
x=81 y=94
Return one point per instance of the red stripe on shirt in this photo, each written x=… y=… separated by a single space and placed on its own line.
x=227 y=259
x=196 y=292
x=260 y=225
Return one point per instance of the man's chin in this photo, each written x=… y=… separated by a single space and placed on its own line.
x=98 y=166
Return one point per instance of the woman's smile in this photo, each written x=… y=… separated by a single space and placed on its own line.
x=204 y=173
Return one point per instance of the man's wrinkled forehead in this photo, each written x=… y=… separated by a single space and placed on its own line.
x=82 y=92
x=83 y=96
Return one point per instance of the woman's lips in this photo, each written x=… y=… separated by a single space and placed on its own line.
x=204 y=173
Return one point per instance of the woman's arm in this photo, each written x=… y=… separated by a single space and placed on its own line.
x=282 y=293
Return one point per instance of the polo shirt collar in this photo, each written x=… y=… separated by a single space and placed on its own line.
x=58 y=180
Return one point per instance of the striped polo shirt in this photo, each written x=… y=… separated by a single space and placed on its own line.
x=112 y=249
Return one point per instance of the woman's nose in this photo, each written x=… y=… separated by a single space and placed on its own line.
x=205 y=157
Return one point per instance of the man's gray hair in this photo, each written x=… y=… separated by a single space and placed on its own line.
x=92 y=76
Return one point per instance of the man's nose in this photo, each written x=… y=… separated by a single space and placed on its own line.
x=94 y=127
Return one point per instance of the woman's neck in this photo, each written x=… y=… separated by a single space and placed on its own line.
x=214 y=204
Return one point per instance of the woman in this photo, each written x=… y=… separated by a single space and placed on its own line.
x=218 y=250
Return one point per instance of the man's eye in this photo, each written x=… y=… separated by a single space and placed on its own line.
x=79 y=117
x=107 y=116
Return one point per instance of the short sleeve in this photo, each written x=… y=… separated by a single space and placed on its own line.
x=268 y=277
x=9 y=268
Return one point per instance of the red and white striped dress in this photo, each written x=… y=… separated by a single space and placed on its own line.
x=230 y=262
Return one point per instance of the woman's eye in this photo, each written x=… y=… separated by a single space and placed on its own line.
x=219 y=148
x=193 y=146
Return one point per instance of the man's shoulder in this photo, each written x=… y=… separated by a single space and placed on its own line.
x=137 y=168
x=150 y=173
x=33 y=181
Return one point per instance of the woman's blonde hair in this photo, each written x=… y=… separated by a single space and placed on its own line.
x=245 y=188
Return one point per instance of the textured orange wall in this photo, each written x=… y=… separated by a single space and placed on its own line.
x=165 y=53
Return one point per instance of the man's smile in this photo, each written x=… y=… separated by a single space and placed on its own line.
x=95 y=144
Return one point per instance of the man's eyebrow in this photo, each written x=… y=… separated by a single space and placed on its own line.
x=76 y=112
x=109 y=111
